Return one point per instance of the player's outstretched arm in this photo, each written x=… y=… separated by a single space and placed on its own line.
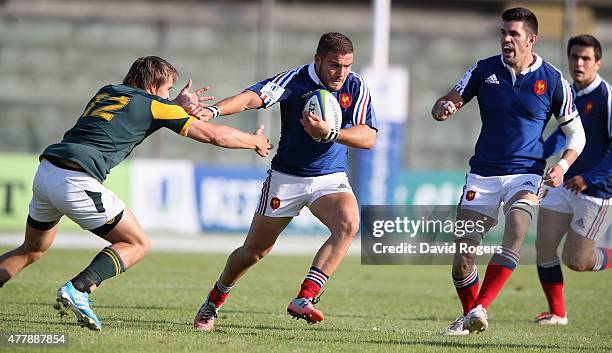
x=238 y=103
x=228 y=137
x=446 y=106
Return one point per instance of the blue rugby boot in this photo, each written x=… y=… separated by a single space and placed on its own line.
x=69 y=298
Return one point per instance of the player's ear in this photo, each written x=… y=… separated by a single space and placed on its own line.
x=533 y=39
x=152 y=90
x=317 y=59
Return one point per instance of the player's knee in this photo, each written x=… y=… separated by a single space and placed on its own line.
x=32 y=254
x=139 y=242
x=253 y=254
x=144 y=243
x=347 y=229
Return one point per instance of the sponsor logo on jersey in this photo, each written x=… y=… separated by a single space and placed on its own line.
x=342 y=186
x=580 y=223
x=539 y=87
x=470 y=195
x=345 y=100
x=275 y=203
x=112 y=220
x=492 y=79
x=588 y=108
x=528 y=183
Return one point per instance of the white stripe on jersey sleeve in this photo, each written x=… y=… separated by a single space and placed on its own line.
x=462 y=83
x=564 y=103
x=565 y=111
x=609 y=108
x=284 y=78
x=274 y=89
x=568 y=99
x=363 y=98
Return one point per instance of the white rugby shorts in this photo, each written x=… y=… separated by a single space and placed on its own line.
x=591 y=216
x=58 y=192
x=284 y=195
x=485 y=194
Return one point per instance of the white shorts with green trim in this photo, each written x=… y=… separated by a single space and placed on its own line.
x=58 y=192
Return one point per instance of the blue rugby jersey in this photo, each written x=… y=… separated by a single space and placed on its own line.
x=298 y=154
x=514 y=110
x=594 y=104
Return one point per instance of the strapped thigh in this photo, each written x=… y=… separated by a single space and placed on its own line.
x=523 y=204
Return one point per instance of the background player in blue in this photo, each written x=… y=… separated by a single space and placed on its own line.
x=517 y=94
x=304 y=172
x=70 y=175
x=581 y=207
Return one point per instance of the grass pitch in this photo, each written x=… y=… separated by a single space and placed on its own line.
x=368 y=309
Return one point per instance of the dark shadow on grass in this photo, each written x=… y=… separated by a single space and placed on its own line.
x=299 y=326
x=44 y=323
x=478 y=345
x=140 y=307
x=230 y=311
x=338 y=315
x=250 y=312
x=30 y=303
x=223 y=330
x=453 y=344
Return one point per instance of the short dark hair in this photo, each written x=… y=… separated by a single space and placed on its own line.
x=585 y=40
x=150 y=72
x=334 y=42
x=524 y=15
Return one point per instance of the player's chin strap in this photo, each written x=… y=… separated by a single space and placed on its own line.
x=526 y=205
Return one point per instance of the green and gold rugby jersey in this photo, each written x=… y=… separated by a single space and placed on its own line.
x=115 y=121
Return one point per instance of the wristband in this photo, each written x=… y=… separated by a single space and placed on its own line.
x=214 y=110
x=564 y=165
x=332 y=135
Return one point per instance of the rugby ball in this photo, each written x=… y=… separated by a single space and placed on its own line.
x=323 y=104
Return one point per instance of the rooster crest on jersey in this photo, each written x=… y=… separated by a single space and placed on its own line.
x=322 y=103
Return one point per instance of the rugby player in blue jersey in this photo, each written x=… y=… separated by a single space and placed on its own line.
x=69 y=179
x=517 y=94
x=304 y=172
x=580 y=208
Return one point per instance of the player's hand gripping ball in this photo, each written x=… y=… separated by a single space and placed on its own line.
x=323 y=104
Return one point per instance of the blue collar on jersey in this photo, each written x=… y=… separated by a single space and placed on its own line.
x=588 y=89
x=526 y=70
